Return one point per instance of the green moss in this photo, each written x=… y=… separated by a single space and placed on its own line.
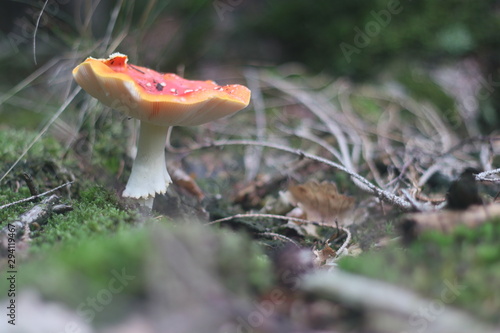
x=96 y=212
x=241 y=263
x=108 y=146
x=39 y=162
x=367 y=108
x=12 y=212
x=149 y=259
x=468 y=258
x=106 y=264
x=14 y=143
x=95 y=209
x=424 y=88
x=84 y=269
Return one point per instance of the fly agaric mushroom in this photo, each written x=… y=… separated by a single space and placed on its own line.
x=158 y=101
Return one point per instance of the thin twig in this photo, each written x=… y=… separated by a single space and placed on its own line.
x=24 y=83
x=471 y=140
x=288 y=218
x=316 y=104
x=401 y=175
x=36 y=196
x=346 y=242
x=36 y=29
x=254 y=157
x=273 y=234
x=30 y=183
x=356 y=129
x=111 y=25
x=417 y=205
x=361 y=182
x=42 y=132
x=305 y=133
x=485 y=176
x=428 y=173
x=237 y=216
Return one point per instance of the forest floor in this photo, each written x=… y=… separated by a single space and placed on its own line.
x=322 y=208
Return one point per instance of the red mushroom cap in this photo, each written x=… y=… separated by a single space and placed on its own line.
x=161 y=99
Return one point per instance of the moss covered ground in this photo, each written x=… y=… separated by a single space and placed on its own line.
x=463 y=263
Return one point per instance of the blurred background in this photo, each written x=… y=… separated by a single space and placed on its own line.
x=405 y=41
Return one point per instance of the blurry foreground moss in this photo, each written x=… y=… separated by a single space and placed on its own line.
x=177 y=264
x=466 y=263
x=100 y=267
x=88 y=267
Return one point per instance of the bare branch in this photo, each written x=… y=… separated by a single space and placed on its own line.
x=346 y=243
x=281 y=217
x=273 y=234
x=486 y=176
x=359 y=180
x=316 y=104
x=253 y=157
x=34 y=197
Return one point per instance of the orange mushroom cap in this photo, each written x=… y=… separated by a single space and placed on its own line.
x=157 y=98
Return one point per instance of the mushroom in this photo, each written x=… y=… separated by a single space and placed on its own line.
x=158 y=100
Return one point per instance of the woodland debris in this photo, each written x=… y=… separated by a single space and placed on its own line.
x=357 y=179
x=37 y=215
x=251 y=194
x=447 y=220
x=327 y=256
x=30 y=183
x=321 y=202
x=487 y=176
x=388 y=308
x=35 y=197
x=186 y=182
x=463 y=192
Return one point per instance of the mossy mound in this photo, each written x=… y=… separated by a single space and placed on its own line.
x=464 y=262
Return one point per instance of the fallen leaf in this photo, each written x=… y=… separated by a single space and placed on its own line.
x=324 y=255
x=321 y=202
x=185 y=181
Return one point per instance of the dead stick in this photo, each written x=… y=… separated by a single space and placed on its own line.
x=36 y=196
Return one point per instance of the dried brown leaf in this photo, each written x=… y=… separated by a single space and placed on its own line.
x=321 y=201
x=323 y=255
x=186 y=182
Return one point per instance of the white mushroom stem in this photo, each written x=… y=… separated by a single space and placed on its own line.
x=149 y=172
